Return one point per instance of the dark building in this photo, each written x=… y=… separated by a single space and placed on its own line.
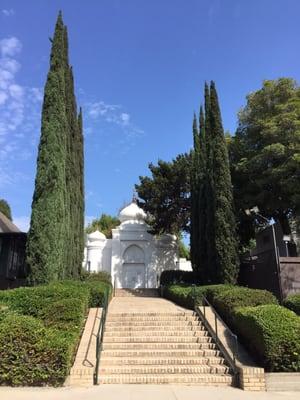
x=273 y=264
x=13 y=270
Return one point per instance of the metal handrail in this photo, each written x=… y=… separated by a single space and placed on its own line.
x=231 y=358
x=99 y=338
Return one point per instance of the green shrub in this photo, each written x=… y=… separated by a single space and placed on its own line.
x=293 y=303
x=172 y=277
x=226 y=300
x=65 y=314
x=98 y=276
x=189 y=296
x=98 y=290
x=272 y=334
x=47 y=321
x=32 y=354
x=34 y=300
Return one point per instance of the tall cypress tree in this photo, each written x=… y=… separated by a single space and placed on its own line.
x=208 y=196
x=80 y=216
x=46 y=237
x=225 y=242
x=54 y=249
x=201 y=204
x=194 y=236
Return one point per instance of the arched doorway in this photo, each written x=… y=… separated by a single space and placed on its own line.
x=133 y=268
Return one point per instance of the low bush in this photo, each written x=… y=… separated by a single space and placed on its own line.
x=229 y=298
x=171 y=277
x=48 y=321
x=272 y=334
x=98 y=290
x=32 y=354
x=189 y=296
x=98 y=276
x=34 y=300
x=293 y=303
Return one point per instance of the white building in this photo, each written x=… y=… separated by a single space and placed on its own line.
x=133 y=257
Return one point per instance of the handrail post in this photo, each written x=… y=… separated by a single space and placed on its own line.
x=99 y=338
x=233 y=354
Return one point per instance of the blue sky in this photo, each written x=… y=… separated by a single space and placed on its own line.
x=139 y=70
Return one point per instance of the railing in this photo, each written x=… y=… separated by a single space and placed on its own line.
x=99 y=338
x=231 y=358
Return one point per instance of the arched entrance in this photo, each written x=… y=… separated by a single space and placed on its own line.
x=133 y=268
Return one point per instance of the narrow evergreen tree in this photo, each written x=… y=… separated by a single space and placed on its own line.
x=46 y=237
x=201 y=204
x=54 y=244
x=194 y=235
x=207 y=203
x=224 y=229
x=80 y=216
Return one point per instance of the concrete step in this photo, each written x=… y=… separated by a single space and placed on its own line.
x=153 y=353
x=158 y=339
x=151 y=328
x=197 y=379
x=163 y=369
x=159 y=346
x=151 y=324
x=159 y=318
x=157 y=333
x=151 y=314
x=161 y=360
x=136 y=293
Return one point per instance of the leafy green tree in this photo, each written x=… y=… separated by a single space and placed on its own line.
x=265 y=153
x=166 y=195
x=184 y=251
x=104 y=224
x=5 y=209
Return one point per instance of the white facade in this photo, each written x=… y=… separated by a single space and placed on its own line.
x=133 y=257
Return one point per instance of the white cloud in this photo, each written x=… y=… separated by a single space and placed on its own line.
x=16 y=91
x=100 y=108
x=22 y=223
x=113 y=114
x=9 y=47
x=8 y=12
x=125 y=118
x=19 y=114
x=3 y=98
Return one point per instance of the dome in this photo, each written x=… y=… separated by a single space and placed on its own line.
x=132 y=213
x=96 y=236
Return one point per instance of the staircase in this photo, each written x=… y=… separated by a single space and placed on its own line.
x=136 y=293
x=169 y=346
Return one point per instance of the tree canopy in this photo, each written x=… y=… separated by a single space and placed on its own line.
x=166 y=195
x=265 y=152
x=5 y=209
x=104 y=224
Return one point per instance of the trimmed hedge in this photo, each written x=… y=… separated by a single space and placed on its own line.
x=172 y=276
x=189 y=296
x=41 y=327
x=32 y=354
x=272 y=333
x=293 y=303
x=227 y=300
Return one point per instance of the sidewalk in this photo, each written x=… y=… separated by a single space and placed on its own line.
x=141 y=392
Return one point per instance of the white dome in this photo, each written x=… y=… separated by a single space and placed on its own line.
x=132 y=213
x=96 y=236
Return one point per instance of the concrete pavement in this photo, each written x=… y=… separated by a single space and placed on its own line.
x=141 y=392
